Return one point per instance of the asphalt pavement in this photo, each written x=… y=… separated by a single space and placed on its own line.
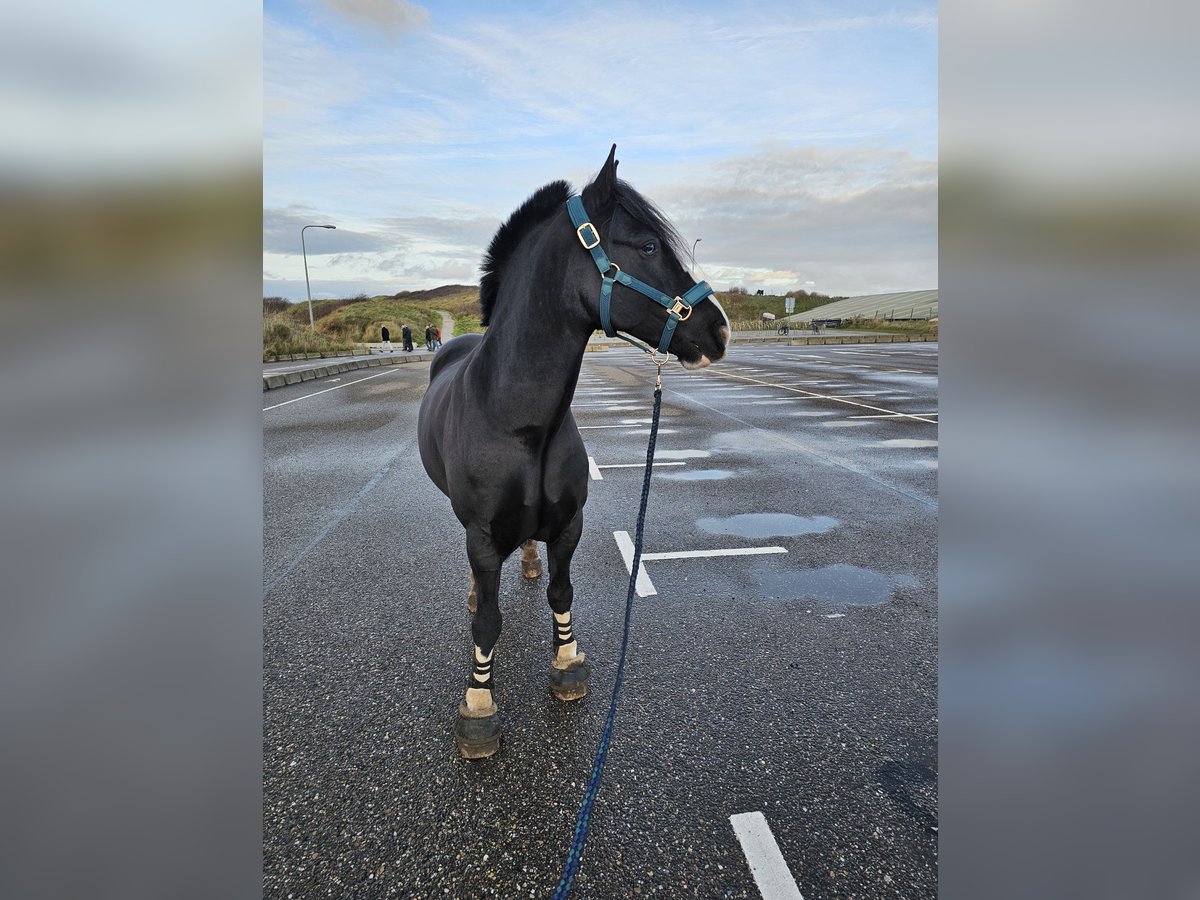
x=783 y=658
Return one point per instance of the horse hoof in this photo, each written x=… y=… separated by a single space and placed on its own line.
x=570 y=684
x=478 y=737
x=533 y=570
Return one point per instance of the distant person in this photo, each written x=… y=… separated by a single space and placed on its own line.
x=387 y=340
x=437 y=336
x=428 y=337
x=406 y=338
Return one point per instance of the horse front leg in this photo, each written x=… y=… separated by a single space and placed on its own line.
x=477 y=729
x=569 y=670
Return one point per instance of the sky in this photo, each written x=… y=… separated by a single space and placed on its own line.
x=796 y=142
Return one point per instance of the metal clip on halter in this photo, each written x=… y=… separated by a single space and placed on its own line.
x=678 y=308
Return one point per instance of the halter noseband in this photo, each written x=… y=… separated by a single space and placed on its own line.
x=678 y=308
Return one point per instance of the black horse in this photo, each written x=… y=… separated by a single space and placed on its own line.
x=496 y=432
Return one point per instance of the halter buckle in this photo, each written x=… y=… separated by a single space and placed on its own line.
x=583 y=240
x=680 y=309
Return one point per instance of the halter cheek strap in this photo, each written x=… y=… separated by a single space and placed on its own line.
x=678 y=308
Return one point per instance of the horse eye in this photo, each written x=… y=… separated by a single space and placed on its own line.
x=649 y=247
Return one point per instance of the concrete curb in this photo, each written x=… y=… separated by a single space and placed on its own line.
x=279 y=379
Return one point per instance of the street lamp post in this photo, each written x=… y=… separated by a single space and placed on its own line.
x=312 y=326
x=694 y=243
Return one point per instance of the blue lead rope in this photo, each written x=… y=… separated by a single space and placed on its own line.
x=582 y=821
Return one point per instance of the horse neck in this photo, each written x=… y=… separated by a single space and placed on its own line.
x=528 y=364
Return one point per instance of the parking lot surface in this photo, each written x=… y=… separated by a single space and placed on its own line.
x=783 y=660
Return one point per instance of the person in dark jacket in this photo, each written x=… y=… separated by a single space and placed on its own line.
x=387 y=340
x=428 y=337
x=406 y=338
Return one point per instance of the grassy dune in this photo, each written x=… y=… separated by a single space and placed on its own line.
x=342 y=323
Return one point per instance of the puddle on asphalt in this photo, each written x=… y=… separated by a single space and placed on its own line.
x=906 y=442
x=698 y=475
x=836 y=585
x=757 y=525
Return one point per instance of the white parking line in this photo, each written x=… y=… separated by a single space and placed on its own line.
x=897 y=416
x=327 y=390
x=700 y=554
x=645 y=587
x=825 y=396
x=594 y=469
x=767 y=865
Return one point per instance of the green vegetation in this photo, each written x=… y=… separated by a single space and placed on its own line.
x=340 y=324
x=883 y=326
x=745 y=310
x=467 y=324
x=283 y=337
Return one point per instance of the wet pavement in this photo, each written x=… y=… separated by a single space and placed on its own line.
x=801 y=684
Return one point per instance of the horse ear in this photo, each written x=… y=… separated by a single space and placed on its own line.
x=600 y=192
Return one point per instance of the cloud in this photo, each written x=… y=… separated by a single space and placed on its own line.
x=852 y=220
x=390 y=16
x=281 y=234
x=842 y=221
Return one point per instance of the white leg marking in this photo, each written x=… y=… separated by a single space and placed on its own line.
x=479 y=700
x=567 y=652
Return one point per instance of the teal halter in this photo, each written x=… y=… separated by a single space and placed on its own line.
x=678 y=308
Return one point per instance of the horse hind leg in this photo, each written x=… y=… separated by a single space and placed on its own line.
x=569 y=670
x=531 y=563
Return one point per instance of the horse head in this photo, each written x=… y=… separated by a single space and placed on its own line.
x=642 y=243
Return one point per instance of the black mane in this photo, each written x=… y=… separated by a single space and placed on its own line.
x=649 y=214
x=536 y=209
x=539 y=207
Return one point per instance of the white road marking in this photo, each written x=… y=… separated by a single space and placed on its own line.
x=826 y=397
x=582 y=427
x=699 y=554
x=391 y=371
x=767 y=865
x=639 y=465
x=896 y=416
x=594 y=470
x=645 y=587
